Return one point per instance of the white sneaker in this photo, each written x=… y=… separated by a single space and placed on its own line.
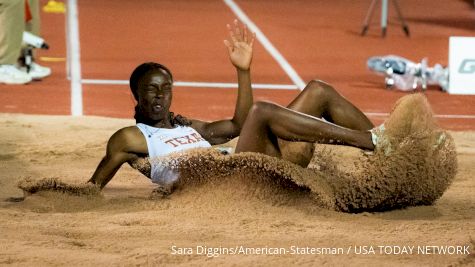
x=9 y=74
x=440 y=140
x=37 y=72
x=380 y=140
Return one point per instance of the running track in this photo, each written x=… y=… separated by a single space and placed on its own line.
x=318 y=39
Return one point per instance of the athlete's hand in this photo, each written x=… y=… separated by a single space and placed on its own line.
x=240 y=45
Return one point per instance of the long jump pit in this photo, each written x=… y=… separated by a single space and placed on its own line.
x=410 y=202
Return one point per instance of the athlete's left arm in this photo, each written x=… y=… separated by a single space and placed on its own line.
x=240 y=54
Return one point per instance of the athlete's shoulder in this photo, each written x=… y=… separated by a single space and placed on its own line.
x=129 y=139
x=129 y=132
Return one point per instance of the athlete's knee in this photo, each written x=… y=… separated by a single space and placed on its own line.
x=261 y=110
x=319 y=89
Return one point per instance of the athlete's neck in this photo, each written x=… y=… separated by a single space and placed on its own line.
x=162 y=124
x=157 y=124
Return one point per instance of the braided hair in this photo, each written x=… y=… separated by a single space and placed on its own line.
x=137 y=74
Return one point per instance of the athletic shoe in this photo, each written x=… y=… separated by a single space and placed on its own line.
x=398 y=65
x=379 y=139
x=440 y=76
x=37 y=72
x=398 y=71
x=440 y=140
x=9 y=74
x=407 y=75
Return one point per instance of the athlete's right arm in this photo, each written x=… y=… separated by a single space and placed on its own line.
x=124 y=146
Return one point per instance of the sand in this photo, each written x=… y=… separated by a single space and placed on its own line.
x=126 y=225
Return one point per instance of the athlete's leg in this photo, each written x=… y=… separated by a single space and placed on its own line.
x=266 y=122
x=321 y=100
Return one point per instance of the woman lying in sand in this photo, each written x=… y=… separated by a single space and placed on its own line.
x=318 y=114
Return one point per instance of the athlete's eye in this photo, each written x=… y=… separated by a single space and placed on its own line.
x=151 y=88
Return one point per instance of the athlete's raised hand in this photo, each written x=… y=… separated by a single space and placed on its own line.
x=240 y=45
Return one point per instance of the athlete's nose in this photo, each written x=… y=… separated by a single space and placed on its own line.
x=158 y=93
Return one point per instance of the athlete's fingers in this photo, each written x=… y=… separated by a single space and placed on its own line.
x=252 y=39
x=229 y=46
x=245 y=33
x=231 y=33
x=237 y=30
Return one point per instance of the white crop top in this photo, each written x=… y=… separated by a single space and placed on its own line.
x=163 y=141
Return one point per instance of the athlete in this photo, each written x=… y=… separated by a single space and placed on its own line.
x=317 y=114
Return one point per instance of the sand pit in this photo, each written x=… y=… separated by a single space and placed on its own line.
x=124 y=226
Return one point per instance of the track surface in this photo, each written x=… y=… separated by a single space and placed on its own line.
x=320 y=39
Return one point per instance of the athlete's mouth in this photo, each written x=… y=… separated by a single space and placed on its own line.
x=157 y=107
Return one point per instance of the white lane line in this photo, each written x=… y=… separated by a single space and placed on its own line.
x=235 y=85
x=376 y=114
x=74 y=58
x=199 y=84
x=94 y=81
x=451 y=116
x=257 y=86
x=267 y=44
x=442 y=116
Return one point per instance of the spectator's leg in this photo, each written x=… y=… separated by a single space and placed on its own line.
x=12 y=25
x=37 y=72
x=34 y=25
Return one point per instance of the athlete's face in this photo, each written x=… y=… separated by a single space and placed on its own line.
x=155 y=95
